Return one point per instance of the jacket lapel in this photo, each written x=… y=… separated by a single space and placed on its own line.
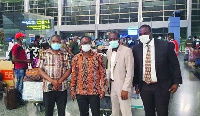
x=118 y=55
x=157 y=47
x=140 y=50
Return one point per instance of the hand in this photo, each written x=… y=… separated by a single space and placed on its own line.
x=55 y=84
x=73 y=96
x=28 y=61
x=174 y=88
x=124 y=95
x=137 y=89
x=102 y=94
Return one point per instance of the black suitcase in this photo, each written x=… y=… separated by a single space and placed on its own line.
x=10 y=98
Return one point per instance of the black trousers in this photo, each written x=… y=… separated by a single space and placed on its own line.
x=85 y=100
x=58 y=97
x=153 y=101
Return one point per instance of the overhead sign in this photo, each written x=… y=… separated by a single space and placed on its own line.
x=36 y=24
x=132 y=30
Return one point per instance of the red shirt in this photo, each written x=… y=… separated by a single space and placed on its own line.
x=21 y=55
x=176 y=46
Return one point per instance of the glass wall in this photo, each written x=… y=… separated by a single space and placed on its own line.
x=78 y=12
x=154 y=10
x=118 y=11
x=45 y=7
x=196 y=18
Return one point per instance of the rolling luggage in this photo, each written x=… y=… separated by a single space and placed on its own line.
x=10 y=98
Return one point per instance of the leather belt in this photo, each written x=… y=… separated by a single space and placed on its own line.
x=151 y=83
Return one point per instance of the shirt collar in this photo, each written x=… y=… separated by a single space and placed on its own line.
x=91 y=53
x=151 y=43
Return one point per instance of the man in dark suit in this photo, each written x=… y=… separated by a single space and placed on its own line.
x=157 y=72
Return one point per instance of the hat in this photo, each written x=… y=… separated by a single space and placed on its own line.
x=19 y=34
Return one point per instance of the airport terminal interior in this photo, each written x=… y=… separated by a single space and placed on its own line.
x=96 y=19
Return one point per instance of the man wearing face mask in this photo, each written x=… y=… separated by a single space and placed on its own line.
x=20 y=63
x=55 y=67
x=120 y=74
x=88 y=79
x=157 y=72
x=130 y=42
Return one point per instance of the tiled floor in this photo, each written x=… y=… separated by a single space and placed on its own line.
x=185 y=102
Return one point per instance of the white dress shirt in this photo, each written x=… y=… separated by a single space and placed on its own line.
x=113 y=58
x=153 y=67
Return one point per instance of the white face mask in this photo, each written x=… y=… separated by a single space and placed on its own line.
x=86 y=47
x=144 y=39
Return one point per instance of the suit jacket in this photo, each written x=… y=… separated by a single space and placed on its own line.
x=166 y=64
x=123 y=69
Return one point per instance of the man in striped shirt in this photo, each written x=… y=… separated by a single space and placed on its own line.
x=55 y=67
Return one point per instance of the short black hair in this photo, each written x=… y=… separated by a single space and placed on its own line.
x=115 y=33
x=170 y=35
x=195 y=37
x=146 y=26
x=37 y=37
x=86 y=37
x=57 y=36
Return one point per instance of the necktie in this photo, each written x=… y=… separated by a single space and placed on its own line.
x=147 y=75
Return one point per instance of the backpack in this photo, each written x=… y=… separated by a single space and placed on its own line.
x=10 y=53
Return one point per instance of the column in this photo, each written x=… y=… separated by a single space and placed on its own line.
x=140 y=19
x=97 y=15
x=60 y=13
x=26 y=6
x=189 y=15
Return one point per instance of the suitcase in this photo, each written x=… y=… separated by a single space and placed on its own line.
x=10 y=98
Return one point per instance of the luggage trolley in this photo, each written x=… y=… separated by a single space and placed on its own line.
x=105 y=106
x=33 y=92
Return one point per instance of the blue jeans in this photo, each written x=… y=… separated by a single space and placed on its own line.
x=20 y=73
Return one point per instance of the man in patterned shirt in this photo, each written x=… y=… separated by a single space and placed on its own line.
x=55 y=67
x=88 y=79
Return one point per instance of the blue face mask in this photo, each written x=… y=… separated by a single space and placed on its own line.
x=129 y=41
x=24 y=41
x=55 y=46
x=114 y=44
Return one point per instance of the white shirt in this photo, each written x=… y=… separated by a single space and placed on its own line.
x=113 y=58
x=153 y=67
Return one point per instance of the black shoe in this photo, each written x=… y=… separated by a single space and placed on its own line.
x=22 y=102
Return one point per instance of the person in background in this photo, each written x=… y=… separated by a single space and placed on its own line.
x=120 y=75
x=88 y=79
x=74 y=47
x=170 y=37
x=196 y=43
x=159 y=37
x=33 y=50
x=157 y=72
x=130 y=42
x=55 y=67
x=20 y=64
x=10 y=44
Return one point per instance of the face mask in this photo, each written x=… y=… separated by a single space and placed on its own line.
x=144 y=39
x=78 y=41
x=40 y=41
x=129 y=41
x=86 y=47
x=159 y=38
x=114 y=44
x=55 y=46
x=24 y=40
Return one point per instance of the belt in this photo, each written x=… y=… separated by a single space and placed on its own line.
x=151 y=83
